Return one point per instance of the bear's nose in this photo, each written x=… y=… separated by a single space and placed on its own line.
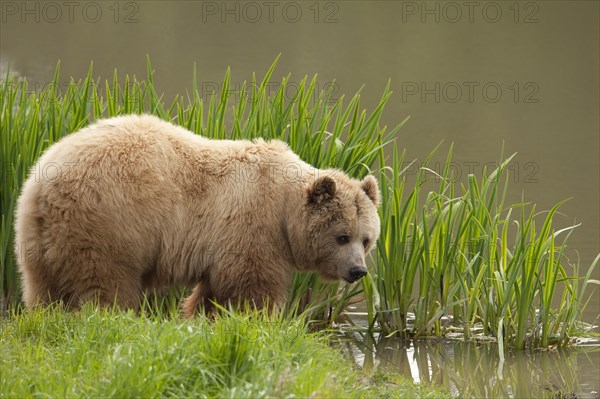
x=357 y=272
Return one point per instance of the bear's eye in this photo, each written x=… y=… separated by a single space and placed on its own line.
x=366 y=243
x=342 y=239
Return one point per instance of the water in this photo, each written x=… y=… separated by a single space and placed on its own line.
x=523 y=75
x=475 y=370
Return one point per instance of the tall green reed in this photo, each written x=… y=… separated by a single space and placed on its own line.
x=324 y=130
x=449 y=254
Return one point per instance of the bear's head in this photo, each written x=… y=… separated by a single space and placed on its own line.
x=342 y=225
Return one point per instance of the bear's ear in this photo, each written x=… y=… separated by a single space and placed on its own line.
x=371 y=188
x=323 y=189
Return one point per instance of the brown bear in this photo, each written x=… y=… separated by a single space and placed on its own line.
x=135 y=203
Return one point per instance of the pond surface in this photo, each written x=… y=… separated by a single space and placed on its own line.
x=475 y=370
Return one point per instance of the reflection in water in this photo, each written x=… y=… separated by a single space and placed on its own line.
x=470 y=370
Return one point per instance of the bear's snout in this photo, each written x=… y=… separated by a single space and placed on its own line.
x=356 y=273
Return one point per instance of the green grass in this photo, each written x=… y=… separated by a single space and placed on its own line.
x=106 y=353
x=456 y=255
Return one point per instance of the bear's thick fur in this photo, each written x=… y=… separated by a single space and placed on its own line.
x=133 y=203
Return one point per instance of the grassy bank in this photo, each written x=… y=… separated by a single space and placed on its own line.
x=103 y=353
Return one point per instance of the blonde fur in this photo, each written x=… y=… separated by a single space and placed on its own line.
x=133 y=203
